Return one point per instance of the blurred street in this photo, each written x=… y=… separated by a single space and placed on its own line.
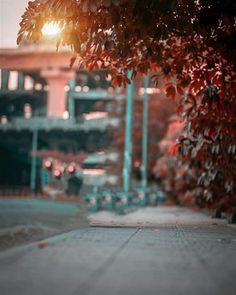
x=24 y=221
x=184 y=252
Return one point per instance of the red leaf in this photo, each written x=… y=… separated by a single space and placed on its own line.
x=19 y=37
x=171 y=91
x=180 y=90
x=72 y=61
x=185 y=81
x=174 y=149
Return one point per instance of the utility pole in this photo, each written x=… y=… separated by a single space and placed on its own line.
x=128 y=137
x=145 y=135
x=34 y=160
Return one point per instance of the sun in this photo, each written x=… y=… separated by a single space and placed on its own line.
x=51 y=29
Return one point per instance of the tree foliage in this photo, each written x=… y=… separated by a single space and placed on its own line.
x=189 y=42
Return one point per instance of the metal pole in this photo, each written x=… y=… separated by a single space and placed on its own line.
x=70 y=97
x=34 y=160
x=128 y=138
x=145 y=135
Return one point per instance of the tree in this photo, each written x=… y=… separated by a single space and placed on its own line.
x=190 y=43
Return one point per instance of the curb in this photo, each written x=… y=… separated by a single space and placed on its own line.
x=151 y=224
x=16 y=251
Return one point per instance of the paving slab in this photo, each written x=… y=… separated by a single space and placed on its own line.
x=171 y=259
x=163 y=250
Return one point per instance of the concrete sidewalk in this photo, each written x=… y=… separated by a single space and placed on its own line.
x=181 y=255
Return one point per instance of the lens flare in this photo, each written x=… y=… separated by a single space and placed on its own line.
x=51 y=29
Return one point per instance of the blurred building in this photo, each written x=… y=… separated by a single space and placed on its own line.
x=55 y=123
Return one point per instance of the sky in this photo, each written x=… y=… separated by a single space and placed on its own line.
x=10 y=16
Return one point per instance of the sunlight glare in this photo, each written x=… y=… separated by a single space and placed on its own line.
x=51 y=29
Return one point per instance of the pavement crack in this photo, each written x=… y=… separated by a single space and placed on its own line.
x=95 y=276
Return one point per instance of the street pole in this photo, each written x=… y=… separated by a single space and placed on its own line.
x=145 y=135
x=71 y=103
x=34 y=160
x=128 y=138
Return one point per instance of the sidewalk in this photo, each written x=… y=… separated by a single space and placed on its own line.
x=185 y=253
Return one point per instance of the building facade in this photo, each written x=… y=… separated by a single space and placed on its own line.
x=52 y=114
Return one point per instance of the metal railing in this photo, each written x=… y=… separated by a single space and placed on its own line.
x=43 y=123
